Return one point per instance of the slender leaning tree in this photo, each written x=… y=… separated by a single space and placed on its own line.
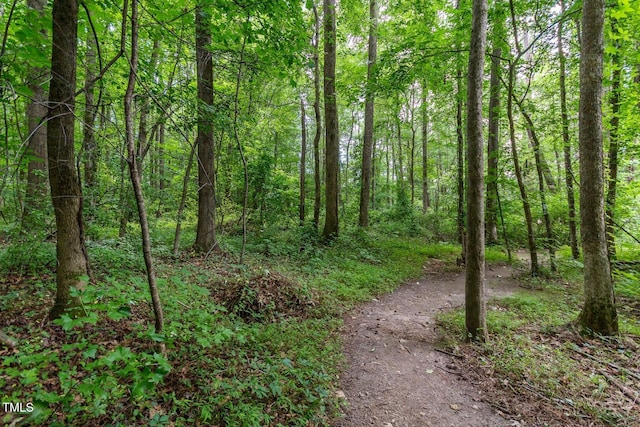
x=598 y=314
x=474 y=283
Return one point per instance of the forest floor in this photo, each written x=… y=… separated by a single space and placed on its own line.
x=397 y=374
x=402 y=371
x=257 y=346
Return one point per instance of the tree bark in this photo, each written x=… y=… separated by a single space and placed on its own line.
x=573 y=234
x=598 y=314
x=317 y=200
x=331 y=122
x=367 y=145
x=206 y=238
x=493 y=152
x=73 y=266
x=475 y=309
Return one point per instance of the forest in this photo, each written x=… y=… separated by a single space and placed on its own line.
x=199 y=197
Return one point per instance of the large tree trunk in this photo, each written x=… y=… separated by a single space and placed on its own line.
x=598 y=314
x=475 y=309
x=331 y=121
x=493 y=152
x=317 y=198
x=72 y=263
x=206 y=228
x=37 y=142
x=573 y=234
x=367 y=146
x=135 y=174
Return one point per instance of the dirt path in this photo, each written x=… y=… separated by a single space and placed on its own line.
x=395 y=376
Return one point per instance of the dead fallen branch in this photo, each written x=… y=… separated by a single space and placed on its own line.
x=7 y=340
x=609 y=364
x=626 y=391
x=448 y=353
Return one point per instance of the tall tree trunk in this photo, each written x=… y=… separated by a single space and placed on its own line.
x=72 y=262
x=135 y=174
x=425 y=134
x=475 y=309
x=460 y=160
x=331 y=121
x=598 y=314
x=37 y=141
x=493 y=148
x=367 y=145
x=571 y=203
x=317 y=198
x=206 y=238
x=303 y=159
x=614 y=122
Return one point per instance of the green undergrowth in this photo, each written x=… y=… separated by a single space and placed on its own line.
x=535 y=353
x=250 y=344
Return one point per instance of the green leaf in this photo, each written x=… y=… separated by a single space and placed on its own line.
x=90 y=353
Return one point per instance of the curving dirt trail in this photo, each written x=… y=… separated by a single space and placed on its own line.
x=395 y=377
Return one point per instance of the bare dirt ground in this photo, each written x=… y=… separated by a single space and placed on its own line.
x=395 y=376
